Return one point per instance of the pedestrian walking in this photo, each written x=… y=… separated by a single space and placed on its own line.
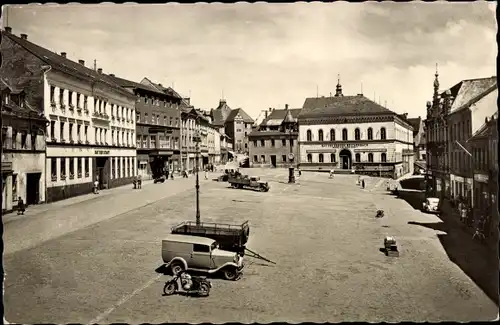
x=206 y=173
x=20 y=206
x=167 y=172
x=96 y=186
x=363 y=183
x=331 y=173
x=139 y=181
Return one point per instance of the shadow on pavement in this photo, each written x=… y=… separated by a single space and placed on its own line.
x=478 y=262
x=413 y=198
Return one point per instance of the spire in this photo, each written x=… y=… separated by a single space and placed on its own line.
x=436 y=88
x=338 y=92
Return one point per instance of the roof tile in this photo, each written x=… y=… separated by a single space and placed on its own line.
x=342 y=105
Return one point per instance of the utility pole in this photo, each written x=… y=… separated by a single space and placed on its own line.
x=197 y=139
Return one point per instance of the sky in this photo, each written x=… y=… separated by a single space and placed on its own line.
x=267 y=55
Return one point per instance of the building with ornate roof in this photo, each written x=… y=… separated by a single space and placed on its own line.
x=91 y=134
x=23 y=149
x=353 y=133
x=275 y=139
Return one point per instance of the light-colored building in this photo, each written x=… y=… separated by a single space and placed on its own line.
x=91 y=134
x=354 y=133
x=23 y=149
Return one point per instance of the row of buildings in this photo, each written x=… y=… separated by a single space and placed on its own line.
x=64 y=125
x=338 y=132
x=462 y=143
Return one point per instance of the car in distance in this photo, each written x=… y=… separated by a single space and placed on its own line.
x=184 y=252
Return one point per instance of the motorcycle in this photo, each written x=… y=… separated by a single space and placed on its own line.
x=380 y=214
x=199 y=285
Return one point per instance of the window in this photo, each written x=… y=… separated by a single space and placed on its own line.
x=320 y=135
x=24 y=136
x=370 y=134
x=309 y=135
x=78 y=132
x=283 y=158
x=63 y=168
x=87 y=166
x=273 y=143
x=246 y=145
x=137 y=117
x=201 y=248
x=383 y=157
x=283 y=143
x=321 y=158
x=71 y=132
x=344 y=134
x=52 y=92
x=53 y=129
x=357 y=157
x=71 y=168
x=255 y=143
x=332 y=157
x=255 y=159
x=357 y=134
x=61 y=97
x=262 y=143
x=370 y=157
x=85 y=102
x=86 y=129
x=146 y=118
x=79 y=167
x=153 y=142
x=53 y=169
x=263 y=159
x=78 y=100
x=70 y=99
x=382 y=133
x=332 y=135
x=61 y=131
x=309 y=158
x=14 y=187
x=97 y=135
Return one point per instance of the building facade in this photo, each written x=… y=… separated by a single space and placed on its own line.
x=354 y=133
x=190 y=130
x=157 y=127
x=275 y=139
x=23 y=149
x=91 y=134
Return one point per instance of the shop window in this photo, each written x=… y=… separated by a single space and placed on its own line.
x=53 y=169
x=332 y=135
x=320 y=135
x=87 y=166
x=71 y=168
x=370 y=157
x=321 y=158
x=79 y=167
x=357 y=157
x=63 y=168
x=309 y=158
x=309 y=135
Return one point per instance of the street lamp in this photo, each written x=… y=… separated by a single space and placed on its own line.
x=197 y=139
x=291 y=171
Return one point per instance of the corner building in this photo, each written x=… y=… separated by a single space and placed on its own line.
x=348 y=133
x=91 y=134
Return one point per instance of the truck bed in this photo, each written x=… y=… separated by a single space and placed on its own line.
x=208 y=228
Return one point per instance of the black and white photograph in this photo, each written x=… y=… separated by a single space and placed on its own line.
x=249 y=162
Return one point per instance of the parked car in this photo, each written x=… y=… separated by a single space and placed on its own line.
x=431 y=204
x=184 y=252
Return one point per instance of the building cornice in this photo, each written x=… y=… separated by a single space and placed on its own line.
x=346 y=119
x=354 y=142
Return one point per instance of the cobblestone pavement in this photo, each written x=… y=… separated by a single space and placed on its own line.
x=321 y=233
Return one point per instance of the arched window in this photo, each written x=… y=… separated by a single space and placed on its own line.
x=332 y=135
x=309 y=158
x=382 y=133
x=370 y=157
x=320 y=135
x=332 y=157
x=383 y=157
x=370 y=134
x=344 y=134
x=357 y=134
x=321 y=158
x=309 y=135
x=358 y=157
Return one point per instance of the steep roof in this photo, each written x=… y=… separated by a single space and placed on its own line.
x=239 y=111
x=132 y=84
x=60 y=63
x=470 y=91
x=168 y=90
x=415 y=123
x=342 y=105
x=221 y=113
x=277 y=116
x=488 y=129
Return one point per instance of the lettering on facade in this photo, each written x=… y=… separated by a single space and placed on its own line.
x=481 y=178
x=344 y=145
x=102 y=152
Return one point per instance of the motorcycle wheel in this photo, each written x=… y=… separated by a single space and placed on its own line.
x=204 y=289
x=169 y=288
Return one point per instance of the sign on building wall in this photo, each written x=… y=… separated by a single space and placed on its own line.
x=344 y=145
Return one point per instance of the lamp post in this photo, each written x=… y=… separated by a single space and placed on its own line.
x=291 y=171
x=197 y=139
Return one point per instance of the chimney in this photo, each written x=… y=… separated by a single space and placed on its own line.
x=8 y=30
x=360 y=95
x=82 y=62
x=265 y=113
x=486 y=119
x=160 y=85
x=63 y=54
x=99 y=70
x=270 y=109
x=111 y=75
x=286 y=106
x=24 y=36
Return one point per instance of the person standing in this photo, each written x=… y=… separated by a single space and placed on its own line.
x=139 y=181
x=206 y=173
x=96 y=186
x=363 y=183
x=20 y=206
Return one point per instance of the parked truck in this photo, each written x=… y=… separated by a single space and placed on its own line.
x=246 y=181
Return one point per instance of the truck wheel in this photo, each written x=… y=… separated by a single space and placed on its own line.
x=176 y=267
x=230 y=274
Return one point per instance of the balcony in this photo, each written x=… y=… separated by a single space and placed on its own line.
x=71 y=107
x=78 y=109
x=101 y=116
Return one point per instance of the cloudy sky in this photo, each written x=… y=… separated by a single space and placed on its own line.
x=268 y=55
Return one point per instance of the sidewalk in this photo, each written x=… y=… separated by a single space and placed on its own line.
x=57 y=219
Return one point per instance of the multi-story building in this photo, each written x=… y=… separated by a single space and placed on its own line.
x=23 y=149
x=418 y=142
x=237 y=125
x=190 y=131
x=91 y=134
x=353 y=132
x=157 y=127
x=274 y=140
x=212 y=138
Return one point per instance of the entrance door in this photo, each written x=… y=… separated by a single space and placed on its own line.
x=345 y=158
x=33 y=188
x=273 y=161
